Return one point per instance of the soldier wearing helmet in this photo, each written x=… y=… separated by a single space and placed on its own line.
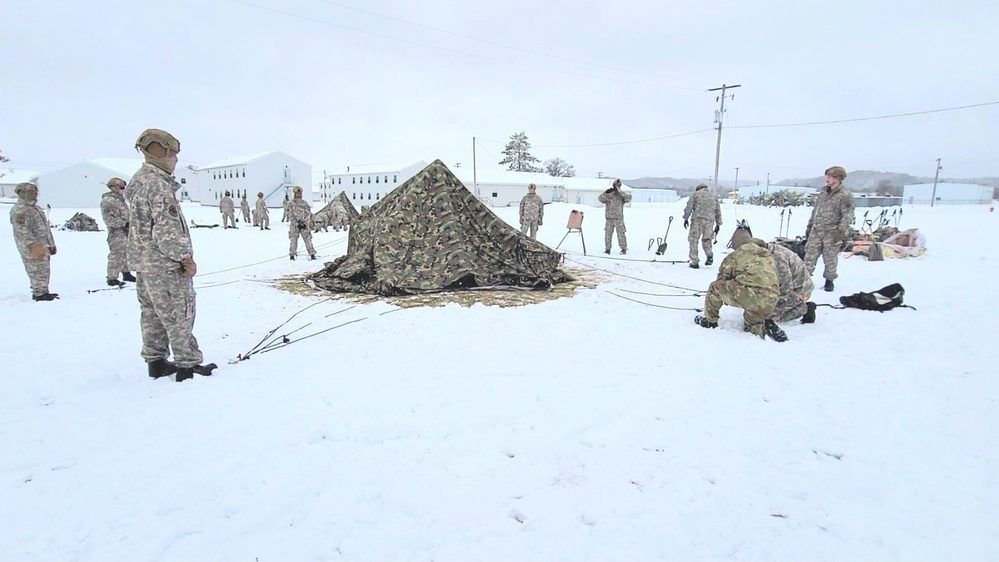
x=161 y=253
x=244 y=207
x=34 y=241
x=299 y=219
x=832 y=214
x=228 y=210
x=114 y=210
x=263 y=215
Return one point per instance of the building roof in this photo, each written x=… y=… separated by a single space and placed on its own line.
x=235 y=160
x=13 y=177
x=505 y=177
x=383 y=168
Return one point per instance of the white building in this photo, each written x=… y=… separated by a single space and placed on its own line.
x=366 y=184
x=947 y=194
x=10 y=178
x=81 y=184
x=271 y=173
x=503 y=188
x=654 y=195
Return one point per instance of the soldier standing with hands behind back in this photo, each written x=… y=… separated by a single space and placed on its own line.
x=263 y=215
x=614 y=199
x=34 y=240
x=160 y=251
x=532 y=212
x=828 y=225
x=114 y=211
x=228 y=210
x=702 y=216
x=299 y=217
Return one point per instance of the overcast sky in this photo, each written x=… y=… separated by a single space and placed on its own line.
x=350 y=82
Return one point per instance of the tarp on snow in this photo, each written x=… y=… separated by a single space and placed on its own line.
x=431 y=234
x=81 y=222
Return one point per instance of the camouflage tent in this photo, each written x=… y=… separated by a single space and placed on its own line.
x=352 y=213
x=81 y=222
x=431 y=234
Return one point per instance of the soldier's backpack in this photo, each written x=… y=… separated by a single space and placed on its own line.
x=884 y=299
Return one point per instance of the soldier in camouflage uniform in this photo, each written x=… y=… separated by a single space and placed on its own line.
x=831 y=217
x=532 y=212
x=747 y=279
x=244 y=206
x=339 y=216
x=160 y=251
x=702 y=216
x=228 y=210
x=299 y=217
x=614 y=200
x=795 y=287
x=114 y=211
x=34 y=241
x=263 y=215
x=284 y=209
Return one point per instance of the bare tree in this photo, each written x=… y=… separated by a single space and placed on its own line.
x=3 y=158
x=560 y=168
x=517 y=155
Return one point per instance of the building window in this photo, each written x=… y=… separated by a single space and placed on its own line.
x=244 y=173
x=353 y=195
x=495 y=194
x=353 y=180
x=369 y=181
x=378 y=196
x=395 y=178
x=369 y=194
x=183 y=180
x=386 y=179
x=339 y=181
x=376 y=179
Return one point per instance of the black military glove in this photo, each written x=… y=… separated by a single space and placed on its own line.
x=301 y=225
x=686 y=223
x=717 y=226
x=609 y=190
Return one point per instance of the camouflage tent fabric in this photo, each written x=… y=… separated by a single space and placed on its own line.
x=81 y=222
x=352 y=213
x=431 y=234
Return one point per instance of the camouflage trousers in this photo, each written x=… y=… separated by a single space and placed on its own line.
x=822 y=244
x=340 y=222
x=306 y=235
x=700 y=230
x=38 y=271
x=246 y=216
x=229 y=219
x=167 y=310
x=265 y=220
x=609 y=227
x=530 y=228
x=256 y=218
x=117 y=242
x=789 y=308
x=757 y=304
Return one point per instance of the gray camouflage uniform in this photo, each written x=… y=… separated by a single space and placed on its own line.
x=828 y=225
x=614 y=214
x=263 y=215
x=228 y=210
x=299 y=217
x=244 y=206
x=704 y=213
x=284 y=209
x=158 y=243
x=532 y=214
x=114 y=211
x=339 y=216
x=795 y=284
x=33 y=239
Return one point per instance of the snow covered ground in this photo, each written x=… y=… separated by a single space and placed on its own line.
x=584 y=428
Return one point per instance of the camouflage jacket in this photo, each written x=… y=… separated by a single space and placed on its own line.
x=226 y=205
x=792 y=277
x=337 y=212
x=261 y=207
x=158 y=236
x=614 y=203
x=244 y=205
x=751 y=265
x=703 y=205
x=114 y=211
x=286 y=205
x=299 y=211
x=532 y=208
x=30 y=225
x=833 y=211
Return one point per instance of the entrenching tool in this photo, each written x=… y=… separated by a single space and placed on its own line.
x=662 y=243
x=781 y=229
x=787 y=232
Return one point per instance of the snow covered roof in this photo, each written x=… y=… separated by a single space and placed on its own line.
x=385 y=168
x=505 y=177
x=14 y=177
x=235 y=160
x=123 y=166
x=591 y=184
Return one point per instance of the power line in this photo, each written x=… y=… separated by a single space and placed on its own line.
x=505 y=46
x=445 y=49
x=909 y=114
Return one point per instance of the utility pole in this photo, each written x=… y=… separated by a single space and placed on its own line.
x=768 y=183
x=475 y=180
x=936 y=176
x=600 y=174
x=719 y=117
